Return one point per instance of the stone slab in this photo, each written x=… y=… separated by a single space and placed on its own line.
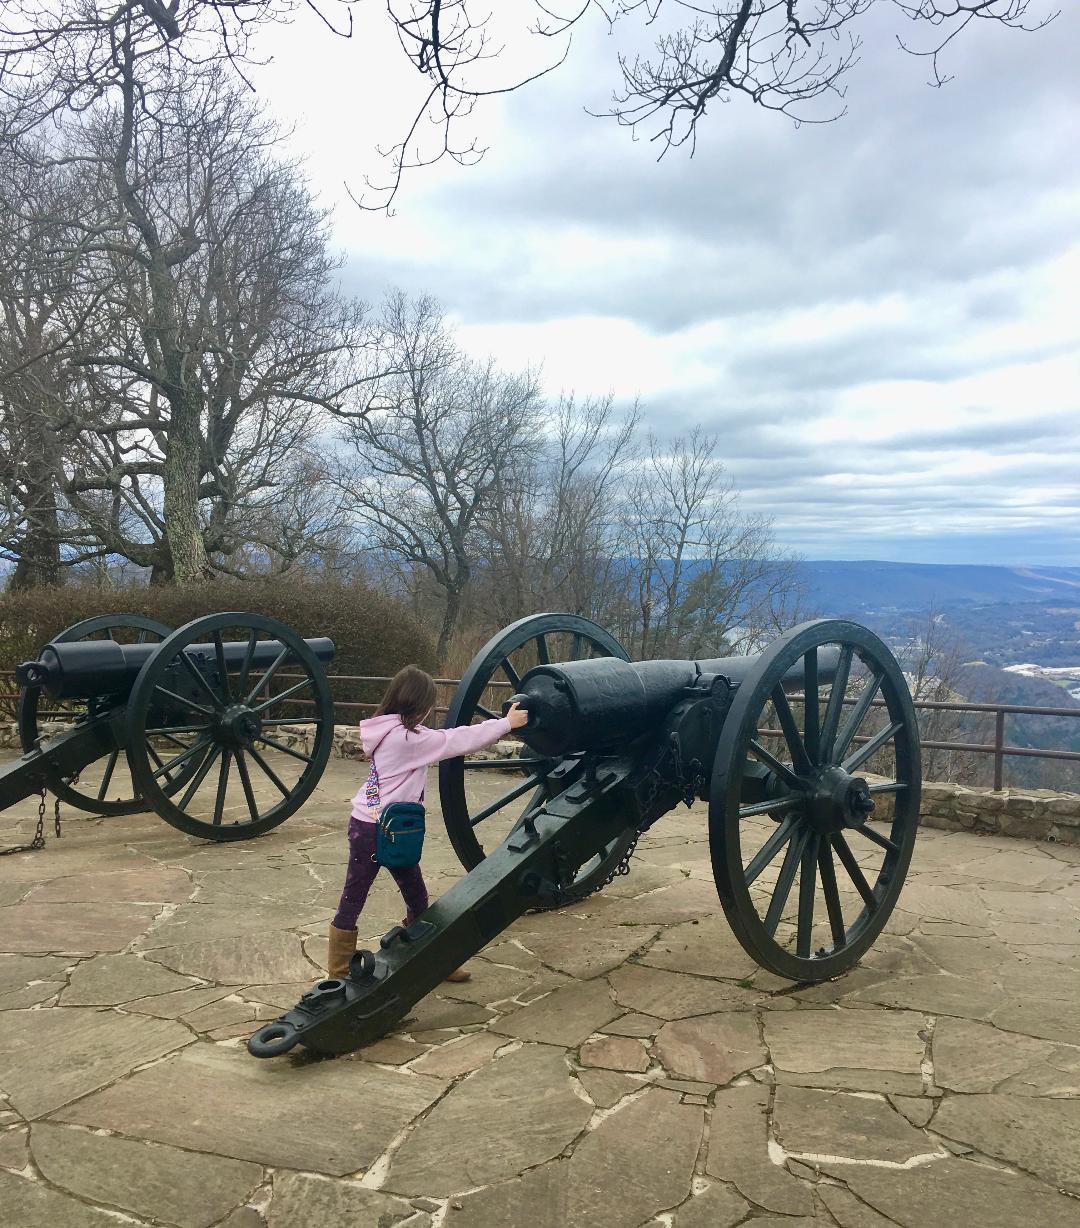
x=242 y=960
x=515 y=1113
x=74 y=929
x=615 y=1053
x=1040 y=1136
x=301 y=1201
x=179 y=1002
x=14 y=1148
x=952 y=1192
x=707 y=948
x=147 y=1179
x=857 y=1050
x=710 y=1048
x=810 y=1124
x=50 y=1057
x=219 y=1100
x=565 y=1017
x=459 y=1057
x=32 y=1204
x=108 y=980
x=151 y=884
x=739 y=1153
x=977 y=1057
x=607 y=1087
x=644 y=1026
x=718 y=1206
x=674 y=995
x=592 y=950
x=19 y=970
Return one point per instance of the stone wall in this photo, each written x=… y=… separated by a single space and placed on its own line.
x=1035 y=814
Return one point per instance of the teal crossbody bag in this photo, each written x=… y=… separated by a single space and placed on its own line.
x=399 y=833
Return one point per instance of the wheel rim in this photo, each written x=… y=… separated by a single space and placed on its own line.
x=249 y=776
x=111 y=772
x=541 y=638
x=806 y=871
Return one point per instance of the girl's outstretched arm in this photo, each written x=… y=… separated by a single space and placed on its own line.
x=425 y=745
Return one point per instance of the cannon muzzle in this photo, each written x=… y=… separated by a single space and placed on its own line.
x=605 y=702
x=85 y=668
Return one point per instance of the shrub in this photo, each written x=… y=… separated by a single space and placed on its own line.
x=374 y=634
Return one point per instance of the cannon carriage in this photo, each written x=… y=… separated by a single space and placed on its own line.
x=187 y=723
x=808 y=854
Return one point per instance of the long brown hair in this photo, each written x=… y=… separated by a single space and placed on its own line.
x=410 y=695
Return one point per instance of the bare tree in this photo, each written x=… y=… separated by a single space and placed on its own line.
x=433 y=450
x=550 y=530
x=702 y=576
x=789 y=56
x=221 y=338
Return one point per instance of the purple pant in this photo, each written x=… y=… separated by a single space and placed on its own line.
x=361 y=874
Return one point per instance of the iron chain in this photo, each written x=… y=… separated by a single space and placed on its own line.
x=38 y=841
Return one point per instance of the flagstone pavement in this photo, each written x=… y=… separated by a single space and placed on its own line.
x=617 y=1064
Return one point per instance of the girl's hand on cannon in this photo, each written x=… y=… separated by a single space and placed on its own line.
x=517 y=716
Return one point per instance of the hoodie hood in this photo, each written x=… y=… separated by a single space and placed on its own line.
x=375 y=728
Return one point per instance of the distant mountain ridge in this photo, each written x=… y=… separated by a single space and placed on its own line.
x=840 y=587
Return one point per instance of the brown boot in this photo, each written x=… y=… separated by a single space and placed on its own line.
x=458 y=977
x=342 y=946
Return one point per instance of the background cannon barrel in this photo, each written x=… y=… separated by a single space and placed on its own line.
x=87 y=668
x=604 y=702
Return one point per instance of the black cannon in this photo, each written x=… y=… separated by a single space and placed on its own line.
x=184 y=708
x=775 y=743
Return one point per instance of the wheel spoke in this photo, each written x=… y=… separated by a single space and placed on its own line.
x=781 y=769
x=542 y=654
x=285 y=750
x=245 y=780
x=174 y=763
x=869 y=749
x=292 y=720
x=858 y=714
x=485 y=712
x=799 y=758
x=892 y=786
x=575 y=651
x=156 y=758
x=183 y=701
x=197 y=674
x=784 y=880
x=277 y=699
x=769 y=849
x=528 y=783
x=511 y=673
x=877 y=838
x=778 y=805
x=245 y=666
x=222 y=786
x=274 y=777
x=169 y=730
x=811 y=707
x=277 y=663
x=223 y=672
x=199 y=777
x=835 y=707
x=832 y=897
x=110 y=767
x=854 y=871
x=807 y=886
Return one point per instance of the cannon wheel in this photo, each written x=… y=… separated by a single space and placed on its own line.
x=503 y=660
x=787 y=802
x=226 y=720
x=128 y=628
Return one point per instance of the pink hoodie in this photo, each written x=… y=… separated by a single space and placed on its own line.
x=403 y=755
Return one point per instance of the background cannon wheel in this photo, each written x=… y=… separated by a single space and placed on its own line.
x=111 y=773
x=250 y=776
x=504 y=659
x=790 y=803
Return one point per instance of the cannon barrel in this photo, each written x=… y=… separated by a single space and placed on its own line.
x=83 y=669
x=604 y=702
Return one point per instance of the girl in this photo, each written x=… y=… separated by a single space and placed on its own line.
x=400 y=749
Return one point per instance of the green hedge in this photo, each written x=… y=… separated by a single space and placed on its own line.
x=374 y=634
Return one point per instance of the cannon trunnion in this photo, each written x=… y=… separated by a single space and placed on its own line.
x=200 y=724
x=808 y=852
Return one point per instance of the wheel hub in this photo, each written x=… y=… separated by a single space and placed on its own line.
x=238 y=725
x=839 y=800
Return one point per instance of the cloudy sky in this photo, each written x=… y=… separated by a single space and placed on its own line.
x=880 y=317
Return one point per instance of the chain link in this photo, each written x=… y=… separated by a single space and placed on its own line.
x=38 y=841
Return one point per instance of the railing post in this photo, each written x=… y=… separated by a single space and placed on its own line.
x=999 y=743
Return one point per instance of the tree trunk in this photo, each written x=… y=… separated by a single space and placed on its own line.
x=39 y=561
x=449 y=626
x=181 y=480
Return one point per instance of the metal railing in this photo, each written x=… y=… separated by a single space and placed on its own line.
x=998 y=747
